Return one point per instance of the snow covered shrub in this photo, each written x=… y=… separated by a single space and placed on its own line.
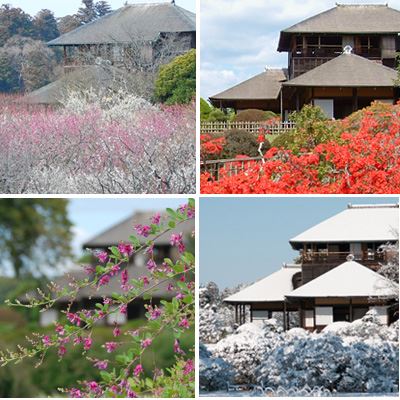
x=327 y=360
x=246 y=348
x=214 y=373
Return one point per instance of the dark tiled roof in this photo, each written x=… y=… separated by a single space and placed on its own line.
x=358 y=19
x=138 y=21
x=264 y=86
x=347 y=70
x=122 y=231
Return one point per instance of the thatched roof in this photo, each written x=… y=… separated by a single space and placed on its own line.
x=264 y=86
x=84 y=78
x=346 y=19
x=122 y=230
x=347 y=70
x=131 y=22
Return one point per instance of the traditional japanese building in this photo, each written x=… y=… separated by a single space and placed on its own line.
x=88 y=296
x=336 y=279
x=340 y=60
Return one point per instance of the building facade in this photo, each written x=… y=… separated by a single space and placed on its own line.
x=336 y=279
x=340 y=60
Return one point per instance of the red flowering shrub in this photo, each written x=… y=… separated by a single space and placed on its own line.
x=365 y=159
x=124 y=375
x=211 y=147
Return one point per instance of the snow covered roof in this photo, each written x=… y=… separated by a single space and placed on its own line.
x=358 y=223
x=349 y=279
x=272 y=288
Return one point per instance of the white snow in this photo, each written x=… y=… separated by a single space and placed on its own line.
x=356 y=224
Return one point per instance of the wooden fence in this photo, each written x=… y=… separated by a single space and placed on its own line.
x=231 y=166
x=253 y=127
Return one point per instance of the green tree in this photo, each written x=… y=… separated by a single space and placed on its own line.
x=205 y=109
x=176 y=81
x=87 y=13
x=35 y=234
x=45 y=25
x=9 y=77
x=102 y=8
x=14 y=21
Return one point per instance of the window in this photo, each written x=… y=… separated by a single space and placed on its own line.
x=341 y=313
x=323 y=315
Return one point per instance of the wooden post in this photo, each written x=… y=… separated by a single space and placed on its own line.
x=314 y=313
x=351 y=309
x=236 y=313
x=65 y=55
x=282 y=113
x=355 y=99
x=284 y=315
x=251 y=313
x=300 y=316
x=297 y=100
x=269 y=314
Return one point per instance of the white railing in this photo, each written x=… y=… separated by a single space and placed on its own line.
x=253 y=127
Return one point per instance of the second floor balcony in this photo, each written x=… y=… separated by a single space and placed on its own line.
x=368 y=257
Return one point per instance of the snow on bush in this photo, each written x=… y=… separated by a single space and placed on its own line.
x=245 y=349
x=214 y=373
x=113 y=145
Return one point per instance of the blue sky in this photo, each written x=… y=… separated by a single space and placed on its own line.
x=92 y=216
x=245 y=239
x=65 y=7
x=239 y=38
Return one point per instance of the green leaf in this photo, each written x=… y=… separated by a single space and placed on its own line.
x=115 y=251
x=172 y=224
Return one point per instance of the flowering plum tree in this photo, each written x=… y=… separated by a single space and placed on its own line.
x=112 y=144
x=124 y=377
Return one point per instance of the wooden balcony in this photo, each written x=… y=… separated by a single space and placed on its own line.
x=329 y=257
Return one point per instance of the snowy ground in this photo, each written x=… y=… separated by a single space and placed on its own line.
x=222 y=393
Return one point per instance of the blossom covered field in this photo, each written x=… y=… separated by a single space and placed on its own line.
x=113 y=144
x=260 y=359
x=363 y=158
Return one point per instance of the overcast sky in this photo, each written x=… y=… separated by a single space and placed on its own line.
x=245 y=239
x=240 y=37
x=65 y=7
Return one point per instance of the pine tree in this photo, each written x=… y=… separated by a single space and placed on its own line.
x=88 y=12
x=68 y=23
x=102 y=8
x=45 y=25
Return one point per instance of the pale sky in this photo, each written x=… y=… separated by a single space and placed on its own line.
x=239 y=38
x=65 y=7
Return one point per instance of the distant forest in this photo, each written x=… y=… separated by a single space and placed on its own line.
x=26 y=62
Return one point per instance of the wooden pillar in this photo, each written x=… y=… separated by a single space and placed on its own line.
x=251 y=313
x=284 y=316
x=65 y=55
x=300 y=315
x=297 y=100
x=282 y=112
x=355 y=99
x=236 y=313
x=269 y=314
x=314 y=313
x=351 y=309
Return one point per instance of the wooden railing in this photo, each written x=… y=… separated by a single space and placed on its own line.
x=253 y=127
x=231 y=166
x=317 y=257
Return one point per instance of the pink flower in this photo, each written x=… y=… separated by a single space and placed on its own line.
x=145 y=280
x=110 y=346
x=177 y=347
x=104 y=280
x=150 y=249
x=131 y=394
x=170 y=287
x=154 y=314
x=107 y=300
x=116 y=331
x=125 y=249
x=60 y=330
x=74 y=319
x=87 y=343
x=146 y=343
x=143 y=230
x=115 y=269
x=123 y=309
x=179 y=296
x=155 y=219
x=102 y=256
x=89 y=269
x=124 y=277
x=101 y=364
x=177 y=240
x=62 y=350
x=46 y=341
x=93 y=386
x=78 y=340
x=189 y=367
x=138 y=370
x=75 y=393
x=184 y=323
x=151 y=265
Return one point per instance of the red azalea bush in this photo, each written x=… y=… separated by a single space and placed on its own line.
x=211 y=147
x=124 y=375
x=365 y=159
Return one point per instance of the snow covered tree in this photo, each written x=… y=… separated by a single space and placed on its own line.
x=102 y=8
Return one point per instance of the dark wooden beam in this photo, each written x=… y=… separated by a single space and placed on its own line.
x=351 y=309
x=355 y=99
x=284 y=316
